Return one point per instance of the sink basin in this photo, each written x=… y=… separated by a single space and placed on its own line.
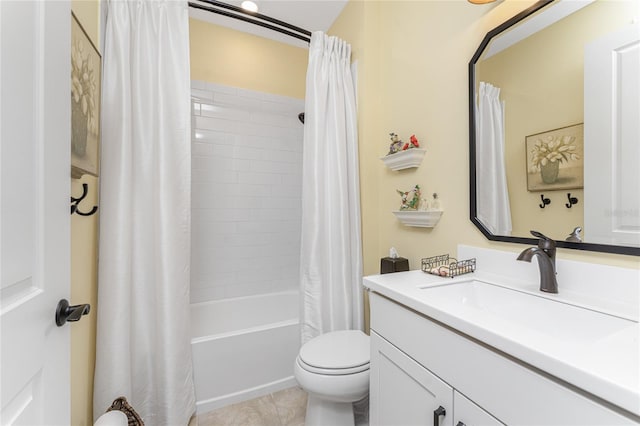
x=476 y=300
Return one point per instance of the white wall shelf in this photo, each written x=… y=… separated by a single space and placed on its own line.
x=419 y=218
x=404 y=159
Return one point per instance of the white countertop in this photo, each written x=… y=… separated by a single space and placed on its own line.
x=607 y=366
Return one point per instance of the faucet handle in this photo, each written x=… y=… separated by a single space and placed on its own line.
x=544 y=241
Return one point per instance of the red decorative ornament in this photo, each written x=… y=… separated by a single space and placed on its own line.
x=414 y=141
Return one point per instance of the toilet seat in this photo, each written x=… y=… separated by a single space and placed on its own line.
x=333 y=371
x=335 y=354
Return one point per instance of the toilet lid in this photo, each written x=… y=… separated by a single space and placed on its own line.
x=337 y=350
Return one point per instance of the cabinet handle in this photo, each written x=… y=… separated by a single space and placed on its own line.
x=461 y=424
x=440 y=411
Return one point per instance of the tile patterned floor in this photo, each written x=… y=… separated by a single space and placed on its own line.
x=283 y=408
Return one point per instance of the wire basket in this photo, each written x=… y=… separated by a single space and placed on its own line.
x=445 y=266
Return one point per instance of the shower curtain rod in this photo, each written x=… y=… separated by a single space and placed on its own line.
x=218 y=7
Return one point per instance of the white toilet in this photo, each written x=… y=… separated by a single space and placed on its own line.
x=334 y=370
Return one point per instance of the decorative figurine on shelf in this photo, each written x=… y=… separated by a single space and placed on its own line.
x=396 y=144
x=413 y=143
x=434 y=205
x=412 y=204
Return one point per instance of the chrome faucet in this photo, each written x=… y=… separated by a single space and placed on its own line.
x=546 y=252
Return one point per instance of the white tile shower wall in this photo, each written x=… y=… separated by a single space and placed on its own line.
x=246 y=192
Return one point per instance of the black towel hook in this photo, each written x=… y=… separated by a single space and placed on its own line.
x=572 y=200
x=76 y=201
x=545 y=201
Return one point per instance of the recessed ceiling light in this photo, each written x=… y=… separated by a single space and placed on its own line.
x=249 y=6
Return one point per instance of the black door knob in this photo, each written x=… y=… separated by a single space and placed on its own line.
x=65 y=313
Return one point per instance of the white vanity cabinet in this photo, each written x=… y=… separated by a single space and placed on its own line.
x=419 y=365
x=466 y=413
x=405 y=393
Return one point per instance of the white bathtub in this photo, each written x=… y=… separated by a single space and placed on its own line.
x=243 y=347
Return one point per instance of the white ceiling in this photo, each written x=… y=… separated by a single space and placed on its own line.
x=312 y=15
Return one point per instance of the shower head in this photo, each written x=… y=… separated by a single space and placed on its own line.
x=301 y=117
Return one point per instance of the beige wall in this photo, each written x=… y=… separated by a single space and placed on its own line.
x=412 y=59
x=84 y=263
x=225 y=56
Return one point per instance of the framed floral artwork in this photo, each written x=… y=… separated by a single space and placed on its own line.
x=555 y=159
x=85 y=102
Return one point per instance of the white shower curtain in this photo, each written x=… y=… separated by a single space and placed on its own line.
x=492 y=200
x=143 y=338
x=331 y=255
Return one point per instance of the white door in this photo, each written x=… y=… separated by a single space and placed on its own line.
x=35 y=207
x=611 y=135
x=403 y=392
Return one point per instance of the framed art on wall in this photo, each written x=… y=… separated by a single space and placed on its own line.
x=85 y=102
x=555 y=159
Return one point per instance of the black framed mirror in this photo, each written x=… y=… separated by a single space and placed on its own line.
x=575 y=200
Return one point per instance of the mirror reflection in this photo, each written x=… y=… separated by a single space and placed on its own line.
x=557 y=119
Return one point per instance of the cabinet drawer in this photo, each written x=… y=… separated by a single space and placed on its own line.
x=513 y=392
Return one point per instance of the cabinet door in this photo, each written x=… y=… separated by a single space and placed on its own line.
x=469 y=414
x=403 y=392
